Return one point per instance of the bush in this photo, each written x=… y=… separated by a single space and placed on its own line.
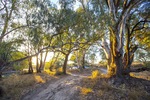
x=95 y=74
x=85 y=91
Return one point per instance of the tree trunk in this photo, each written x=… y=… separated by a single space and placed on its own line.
x=54 y=60
x=30 y=70
x=0 y=74
x=44 y=60
x=37 y=64
x=65 y=63
x=83 y=61
x=114 y=54
x=41 y=63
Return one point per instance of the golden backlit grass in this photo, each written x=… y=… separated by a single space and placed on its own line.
x=103 y=89
x=58 y=71
x=15 y=86
x=85 y=91
x=142 y=75
x=50 y=72
x=95 y=74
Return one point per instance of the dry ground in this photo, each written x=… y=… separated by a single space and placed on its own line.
x=75 y=86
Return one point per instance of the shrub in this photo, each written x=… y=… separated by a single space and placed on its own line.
x=85 y=91
x=95 y=74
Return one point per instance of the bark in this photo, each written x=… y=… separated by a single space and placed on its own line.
x=30 y=70
x=83 y=61
x=41 y=62
x=65 y=63
x=127 y=61
x=37 y=64
x=114 y=55
x=54 y=59
x=78 y=59
x=44 y=60
x=115 y=52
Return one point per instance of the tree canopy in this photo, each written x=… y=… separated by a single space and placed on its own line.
x=33 y=28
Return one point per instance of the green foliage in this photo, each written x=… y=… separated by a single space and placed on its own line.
x=73 y=57
x=147 y=64
x=7 y=48
x=20 y=65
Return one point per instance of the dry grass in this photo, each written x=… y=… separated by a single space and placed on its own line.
x=95 y=74
x=142 y=75
x=50 y=72
x=103 y=89
x=59 y=71
x=15 y=86
x=85 y=91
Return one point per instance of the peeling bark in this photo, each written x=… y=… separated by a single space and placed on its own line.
x=119 y=62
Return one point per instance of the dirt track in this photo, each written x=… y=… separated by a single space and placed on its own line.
x=66 y=88
x=62 y=89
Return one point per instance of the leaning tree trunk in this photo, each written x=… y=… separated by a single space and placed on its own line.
x=41 y=63
x=65 y=63
x=44 y=61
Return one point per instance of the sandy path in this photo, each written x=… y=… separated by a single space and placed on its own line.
x=62 y=89
x=65 y=88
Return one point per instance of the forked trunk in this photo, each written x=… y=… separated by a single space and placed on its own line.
x=114 y=54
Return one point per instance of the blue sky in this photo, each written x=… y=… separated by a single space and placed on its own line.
x=54 y=1
x=75 y=6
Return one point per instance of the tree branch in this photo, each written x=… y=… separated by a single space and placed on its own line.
x=3 y=35
x=134 y=28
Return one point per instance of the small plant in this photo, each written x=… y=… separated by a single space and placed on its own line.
x=95 y=74
x=59 y=71
x=50 y=72
x=85 y=91
x=39 y=79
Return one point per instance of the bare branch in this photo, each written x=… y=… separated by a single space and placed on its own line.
x=3 y=35
x=135 y=26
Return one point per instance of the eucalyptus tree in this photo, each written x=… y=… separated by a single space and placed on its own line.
x=76 y=28
x=66 y=43
x=9 y=24
x=7 y=16
x=38 y=41
x=117 y=13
